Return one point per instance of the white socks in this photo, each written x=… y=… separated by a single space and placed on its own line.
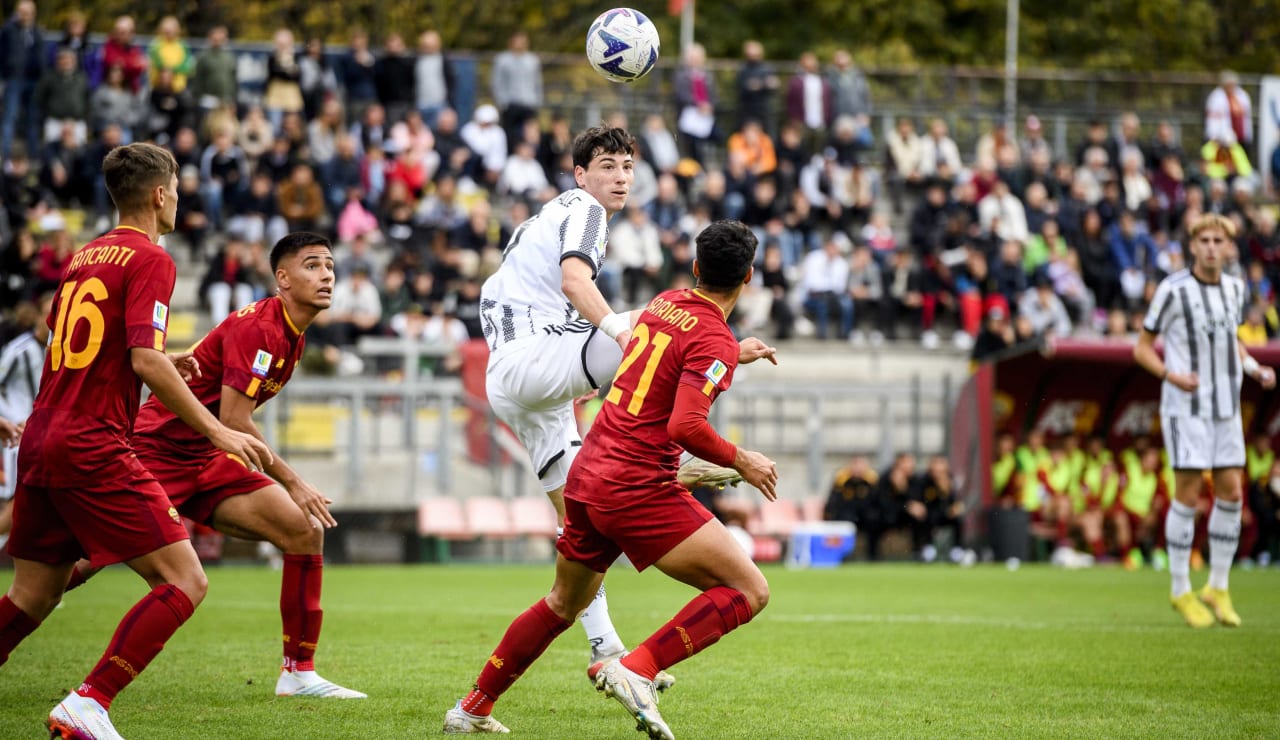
x=1179 y=533
x=597 y=624
x=600 y=632
x=1224 y=537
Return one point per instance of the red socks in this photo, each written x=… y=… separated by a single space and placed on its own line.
x=15 y=625
x=526 y=639
x=699 y=625
x=139 y=638
x=300 y=610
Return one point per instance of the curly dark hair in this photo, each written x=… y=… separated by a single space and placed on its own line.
x=599 y=140
x=726 y=250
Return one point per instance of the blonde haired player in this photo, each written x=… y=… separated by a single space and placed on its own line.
x=1197 y=311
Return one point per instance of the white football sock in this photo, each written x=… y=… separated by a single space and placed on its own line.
x=1224 y=538
x=600 y=632
x=1179 y=533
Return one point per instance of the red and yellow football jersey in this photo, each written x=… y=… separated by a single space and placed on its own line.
x=254 y=351
x=114 y=296
x=681 y=338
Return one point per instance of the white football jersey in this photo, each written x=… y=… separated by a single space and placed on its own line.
x=21 y=363
x=523 y=298
x=1199 y=322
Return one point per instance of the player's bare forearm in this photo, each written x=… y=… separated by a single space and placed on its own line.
x=579 y=287
x=158 y=372
x=1144 y=353
x=235 y=410
x=1265 y=376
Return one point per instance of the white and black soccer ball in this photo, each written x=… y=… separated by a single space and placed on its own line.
x=622 y=45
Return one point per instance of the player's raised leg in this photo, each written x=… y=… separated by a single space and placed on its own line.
x=270 y=514
x=524 y=641
x=1224 y=538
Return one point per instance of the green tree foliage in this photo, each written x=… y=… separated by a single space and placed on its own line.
x=1119 y=35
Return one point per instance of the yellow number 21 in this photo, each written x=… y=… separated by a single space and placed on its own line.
x=78 y=305
x=658 y=345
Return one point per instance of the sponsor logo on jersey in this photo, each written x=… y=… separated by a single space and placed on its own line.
x=716 y=372
x=160 y=316
x=262 y=363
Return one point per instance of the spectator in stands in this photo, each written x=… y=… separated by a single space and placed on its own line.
x=356 y=309
x=316 y=78
x=432 y=77
x=851 y=96
x=811 y=102
x=62 y=98
x=228 y=283
x=636 y=246
x=120 y=51
x=696 y=99
x=224 y=172
x=323 y=132
x=1228 y=117
x=283 y=93
x=54 y=253
x=255 y=212
x=1134 y=256
x=488 y=141
x=824 y=285
x=902 y=163
x=300 y=199
x=1033 y=141
x=168 y=51
x=22 y=61
x=516 y=81
x=754 y=147
x=997 y=333
x=215 y=80
x=866 y=287
x=892 y=493
x=356 y=73
x=757 y=85
x=20 y=190
x=939 y=155
x=853 y=495
x=995 y=141
x=62 y=163
x=1044 y=310
x=1133 y=180
x=191 y=222
x=1001 y=213
x=109 y=138
x=774 y=280
x=1166 y=143
x=170 y=110
x=523 y=177
x=393 y=75
x=75 y=37
x=1008 y=277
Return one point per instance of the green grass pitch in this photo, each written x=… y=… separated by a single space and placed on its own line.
x=861 y=651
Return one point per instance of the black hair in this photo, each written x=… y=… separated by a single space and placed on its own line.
x=601 y=140
x=726 y=250
x=293 y=243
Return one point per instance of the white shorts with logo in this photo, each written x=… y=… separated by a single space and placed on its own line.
x=532 y=383
x=1199 y=443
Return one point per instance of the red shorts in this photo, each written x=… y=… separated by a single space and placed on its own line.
x=198 y=483
x=108 y=523
x=653 y=521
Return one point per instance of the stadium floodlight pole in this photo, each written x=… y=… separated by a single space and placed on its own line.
x=686 y=25
x=1011 y=64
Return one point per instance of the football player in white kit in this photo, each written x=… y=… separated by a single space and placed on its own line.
x=21 y=363
x=553 y=338
x=1198 y=311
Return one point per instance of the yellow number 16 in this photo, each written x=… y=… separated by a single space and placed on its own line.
x=641 y=339
x=78 y=305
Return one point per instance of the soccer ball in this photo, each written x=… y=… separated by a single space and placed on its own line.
x=622 y=45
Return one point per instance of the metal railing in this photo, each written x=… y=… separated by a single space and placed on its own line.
x=374 y=443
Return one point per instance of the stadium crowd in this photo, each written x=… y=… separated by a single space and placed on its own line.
x=864 y=238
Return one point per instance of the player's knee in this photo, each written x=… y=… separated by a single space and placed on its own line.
x=757 y=595
x=37 y=603
x=300 y=538
x=194 y=585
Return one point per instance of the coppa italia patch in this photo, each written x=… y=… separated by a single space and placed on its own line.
x=160 y=316
x=716 y=372
x=261 y=363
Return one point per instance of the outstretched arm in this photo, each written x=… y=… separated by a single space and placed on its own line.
x=579 y=286
x=1265 y=376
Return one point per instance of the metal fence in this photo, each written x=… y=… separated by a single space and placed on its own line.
x=375 y=444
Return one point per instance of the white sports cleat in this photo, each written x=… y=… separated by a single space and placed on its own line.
x=661 y=682
x=635 y=693
x=696 y=473
x=81 y=718
x=309 y=683
x=458 y=722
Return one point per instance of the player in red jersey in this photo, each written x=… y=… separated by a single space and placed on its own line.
x=622 y=496
x=244 y=362
x=81 y=490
